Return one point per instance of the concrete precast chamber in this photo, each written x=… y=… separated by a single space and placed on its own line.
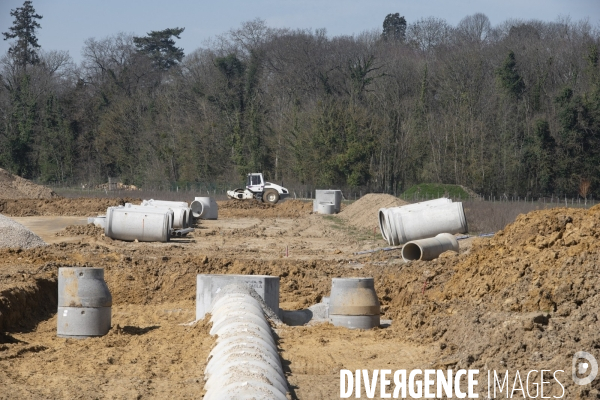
x=84 y=303
x=244 y=363
x=353 y=303
x=205 y=208
x=145 y=224
x=429 y=249
x=328 y=196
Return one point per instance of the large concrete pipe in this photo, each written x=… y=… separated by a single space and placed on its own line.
x=182 y=217
x=205 y=208
x=385 y=216
x=146 y=224
x=353 y=303
x=244 y=364
x=84 y=303
x=428 y=249
x=328 y=196
x=406 y=225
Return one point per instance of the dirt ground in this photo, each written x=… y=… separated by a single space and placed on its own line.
x=525 y=299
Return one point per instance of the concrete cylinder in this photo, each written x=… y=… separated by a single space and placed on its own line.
x=181 y=215
x=143 y=224
x=385 y=216
x=428 y=249
x=84 y=303
x=353 y=303
x=405 y=225
x=244 y=364
x=326 y=208
x=205 y=208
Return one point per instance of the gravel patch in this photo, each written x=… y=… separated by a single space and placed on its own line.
x=13 y=234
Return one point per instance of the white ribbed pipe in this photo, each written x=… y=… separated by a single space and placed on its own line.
x=386 y=225
x=408 y=223
x=428 y=249
x=244 y=364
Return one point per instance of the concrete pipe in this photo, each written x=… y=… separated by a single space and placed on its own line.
x=326 y=208
x=145 y=224
x=407 y=225
x=244 y=364
x=181 y=215
x=429 y=249
x=84 y=303
x=205 y=208
x=165 y=203
x=385 y=216
x=353 y=303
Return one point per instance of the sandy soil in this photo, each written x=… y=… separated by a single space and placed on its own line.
x=525 y=299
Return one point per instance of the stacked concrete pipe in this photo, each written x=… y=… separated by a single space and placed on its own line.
x=182 y=213
x=244 y=364
x=429 y=249
x=400 y=225
x=353 y=303
x=84 y=303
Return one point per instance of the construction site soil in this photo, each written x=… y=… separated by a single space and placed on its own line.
x=525 y=299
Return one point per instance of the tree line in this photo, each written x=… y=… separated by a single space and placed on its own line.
x=512 y=109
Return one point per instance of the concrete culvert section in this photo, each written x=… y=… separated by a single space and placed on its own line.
x=353 y=303
x=406 y=223
x=145 y=224
x=428 y=249
x=84 y=303
x=244 y=364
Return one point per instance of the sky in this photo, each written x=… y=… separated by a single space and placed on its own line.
x=66 y=24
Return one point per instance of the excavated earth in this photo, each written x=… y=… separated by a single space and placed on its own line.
x=526 y=299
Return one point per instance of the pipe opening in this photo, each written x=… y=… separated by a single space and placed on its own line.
x=412 y=251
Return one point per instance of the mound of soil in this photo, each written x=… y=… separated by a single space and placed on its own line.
x=15 y=187
x=363 y=213
x=77 y=207
x=527 y=298
x=257 y=209
x=81 y=230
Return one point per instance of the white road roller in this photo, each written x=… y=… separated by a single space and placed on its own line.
x=257 y=188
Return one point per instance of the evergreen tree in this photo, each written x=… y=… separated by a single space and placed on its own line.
x=508 y=77
x=394 y=28
x=23 y=29
x=159 y=46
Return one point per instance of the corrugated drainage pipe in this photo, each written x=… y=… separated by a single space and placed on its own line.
x=245 y=363
x=428 y=249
